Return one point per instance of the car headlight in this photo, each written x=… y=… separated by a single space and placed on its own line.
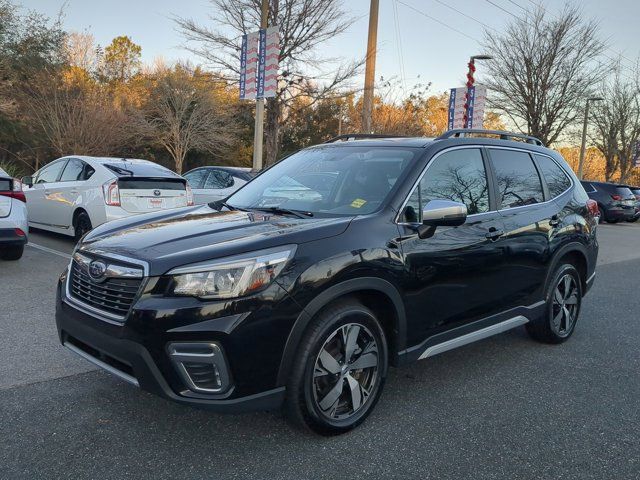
x=231 y=277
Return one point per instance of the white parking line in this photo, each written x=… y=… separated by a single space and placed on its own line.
x=49 y=250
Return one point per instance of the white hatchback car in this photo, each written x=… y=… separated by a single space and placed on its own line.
x=211 y=184
x=74 y=194
x=13 y=218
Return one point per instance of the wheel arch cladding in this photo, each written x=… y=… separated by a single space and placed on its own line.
x=574 y=253
x=379 y=295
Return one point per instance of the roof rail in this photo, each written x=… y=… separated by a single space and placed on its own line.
x=359 y=136
x=463 y=132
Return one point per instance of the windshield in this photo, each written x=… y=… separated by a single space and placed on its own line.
x=329 y=180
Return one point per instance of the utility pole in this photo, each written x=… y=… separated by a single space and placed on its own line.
x=370 y=69
x=259 y=126
x=584 y=135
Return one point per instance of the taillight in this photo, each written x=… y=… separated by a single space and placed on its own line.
x=189 y=196
x=111 y=193
x=616 y=197
x=16 y=192
x=20 y=232
x=592 y=208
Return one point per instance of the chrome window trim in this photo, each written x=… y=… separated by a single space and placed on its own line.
x=424 y=171
x=488 y=147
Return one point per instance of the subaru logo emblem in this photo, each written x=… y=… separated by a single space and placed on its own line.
x=157 y=193
x=97 y=269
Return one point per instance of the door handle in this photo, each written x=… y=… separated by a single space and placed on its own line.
x=555 y=221
x=494 y=233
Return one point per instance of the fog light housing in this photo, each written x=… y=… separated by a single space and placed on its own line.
x=201 y=365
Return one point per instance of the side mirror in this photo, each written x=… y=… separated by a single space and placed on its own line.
x=441 y=213
x=28 y=181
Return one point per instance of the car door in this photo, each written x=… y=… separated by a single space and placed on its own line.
x=454 y=276
x=529 y=223
x=69 y=193
x=41 y=195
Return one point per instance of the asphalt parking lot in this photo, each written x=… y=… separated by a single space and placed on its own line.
x=505 y=407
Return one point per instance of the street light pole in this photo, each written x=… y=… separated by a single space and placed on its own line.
x=258 y=132
x=584 y=135
x=470 y=82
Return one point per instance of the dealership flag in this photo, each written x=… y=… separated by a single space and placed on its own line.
x=259 y=57
x=248 y=65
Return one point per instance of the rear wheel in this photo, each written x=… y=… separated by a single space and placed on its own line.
x=339 y=372
x=12 y=253
x=563 y=298
x=82 y=225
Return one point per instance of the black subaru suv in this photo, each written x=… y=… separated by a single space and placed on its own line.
x=300 y=289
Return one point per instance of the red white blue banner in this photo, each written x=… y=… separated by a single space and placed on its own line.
x=259 y=56
x=248 y=65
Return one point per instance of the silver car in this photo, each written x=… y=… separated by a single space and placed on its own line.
x=14 y=228
x=210 y=184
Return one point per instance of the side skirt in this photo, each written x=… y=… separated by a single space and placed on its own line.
x=472 y=332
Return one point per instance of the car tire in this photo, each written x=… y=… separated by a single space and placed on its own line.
x=12 y=253
x=563 y=298
x=81 y=225
x=326 y=392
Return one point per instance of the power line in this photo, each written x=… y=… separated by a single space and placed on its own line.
x=460 y=12
x=399 y=46
x=444 y=24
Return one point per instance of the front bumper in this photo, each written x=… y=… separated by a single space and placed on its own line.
x=138 y=354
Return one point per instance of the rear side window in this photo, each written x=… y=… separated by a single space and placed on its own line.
x=218 y=179
x=196 y=178
x=588 y=187
x=50 y=173
x=73 y=171
x=556 y=178
x=5 y=185
x=457 y=175
x=518 y=180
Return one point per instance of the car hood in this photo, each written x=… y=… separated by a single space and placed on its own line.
x=169 y=239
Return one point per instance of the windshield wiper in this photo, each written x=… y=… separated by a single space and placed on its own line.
x=285 y=211
x=217 y=205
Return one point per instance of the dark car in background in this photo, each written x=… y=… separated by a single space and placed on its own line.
x=615 y=202
x=304 y=286
x=636 y=193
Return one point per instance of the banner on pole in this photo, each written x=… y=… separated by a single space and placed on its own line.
x=248 y=65
x=477 y=103
x=259 y=56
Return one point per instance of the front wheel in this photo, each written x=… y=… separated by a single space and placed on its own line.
x=82 y=225
x=563 y=298
x=340 y=370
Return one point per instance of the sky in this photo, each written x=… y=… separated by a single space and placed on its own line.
x=426 y=41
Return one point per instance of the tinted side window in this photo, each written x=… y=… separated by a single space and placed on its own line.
x=218 y=179
x=556 y=178
x=457 y=175
x=50 y=173
x=518 y=180
x=73 y=171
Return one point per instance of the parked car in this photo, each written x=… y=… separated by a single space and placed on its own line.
x=211 y=184
x=74 y=194
x=615 y=202
x=14 y=229
x=636 y=193
x=418 y=246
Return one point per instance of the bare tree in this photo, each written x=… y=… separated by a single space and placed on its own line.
x=304 y=25
x=182 y=115
x=543 y=69
x=81 y=50
x=616 y=123
x=74 y=120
